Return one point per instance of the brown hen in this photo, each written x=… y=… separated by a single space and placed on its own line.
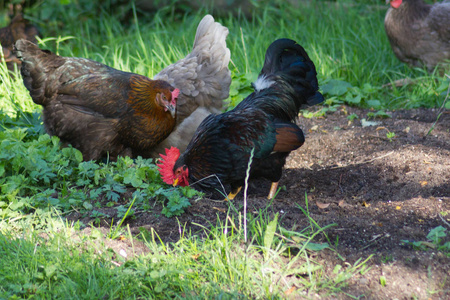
x=103 y=111
x=97 y=109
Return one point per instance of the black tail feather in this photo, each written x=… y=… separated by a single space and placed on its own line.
x=289 y=60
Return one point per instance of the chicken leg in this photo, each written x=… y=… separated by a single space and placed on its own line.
x=273 y=190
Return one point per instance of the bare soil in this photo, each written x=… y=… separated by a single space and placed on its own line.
x=377 y=191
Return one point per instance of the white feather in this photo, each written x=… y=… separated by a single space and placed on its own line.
x=262 y=83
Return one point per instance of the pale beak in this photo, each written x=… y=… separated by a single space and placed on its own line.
x=172 y=109
x=175 y=182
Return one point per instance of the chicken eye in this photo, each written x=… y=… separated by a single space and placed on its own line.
x=161 y=99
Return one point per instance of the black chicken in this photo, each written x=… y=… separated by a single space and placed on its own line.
x=261 y=126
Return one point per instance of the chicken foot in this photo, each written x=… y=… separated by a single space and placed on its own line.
x=231 y=195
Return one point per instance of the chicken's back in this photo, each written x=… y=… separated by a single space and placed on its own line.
x=202 y=77
x=74 y=99
x=47 y=75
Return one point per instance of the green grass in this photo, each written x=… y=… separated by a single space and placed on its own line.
x=59 y=261
x=346 y=40
x=40 y=183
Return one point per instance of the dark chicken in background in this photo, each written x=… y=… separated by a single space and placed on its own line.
x=264 y=123
x=419 y=33
x=105 y=112
x=18 y=28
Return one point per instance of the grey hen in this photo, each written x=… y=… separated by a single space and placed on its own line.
x=419 y=33
x=203 y=79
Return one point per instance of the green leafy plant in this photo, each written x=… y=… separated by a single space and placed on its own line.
x=378 y=114
x=390 y=135
x=383 y=280
x=352 y=117
x=241 y=87
x=36 y=172
x=434 y=241
x=345 y=92
x=177 y=201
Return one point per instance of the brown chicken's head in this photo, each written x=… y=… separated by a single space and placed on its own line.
x=171 y=174
x=167 y=99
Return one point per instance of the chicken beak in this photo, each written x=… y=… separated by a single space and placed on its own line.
x=175 y=182
x=172 y=109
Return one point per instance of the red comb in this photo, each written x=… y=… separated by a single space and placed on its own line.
x=396 y=3
x=165 y=168
x=175 y=94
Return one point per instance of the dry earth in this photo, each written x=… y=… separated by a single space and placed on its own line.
x=377 y=191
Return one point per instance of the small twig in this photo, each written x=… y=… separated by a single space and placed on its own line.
x=213 y=175
x=373 y=241
x=363 y=162
x=285 y=238
x=15 y=218
x=115 y=263
x=399 y=83
x=340 y=180
x=445 y=222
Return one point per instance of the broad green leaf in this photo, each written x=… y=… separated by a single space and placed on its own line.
x=317 y=246
x=353 y=100
x=374 y=103
x=436 y=234
x=50 y=270
x=336 y=87
x=87 y=205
